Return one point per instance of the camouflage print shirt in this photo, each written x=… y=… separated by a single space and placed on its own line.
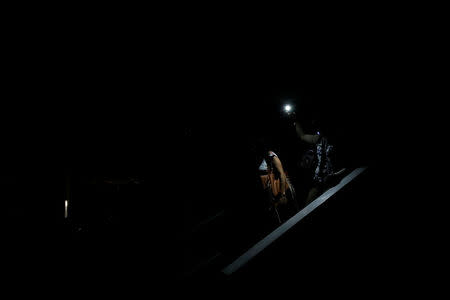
x=323 y=166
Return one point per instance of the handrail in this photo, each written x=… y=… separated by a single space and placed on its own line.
x=269 y=239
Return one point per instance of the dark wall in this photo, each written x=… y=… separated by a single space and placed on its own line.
x=186 y=123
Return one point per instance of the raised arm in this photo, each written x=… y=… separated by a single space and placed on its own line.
x=309 y=138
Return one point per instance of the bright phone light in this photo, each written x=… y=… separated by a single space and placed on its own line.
x=287 y=108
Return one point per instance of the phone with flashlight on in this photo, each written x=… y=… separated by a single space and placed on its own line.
x=288 y=108
x=289 y=111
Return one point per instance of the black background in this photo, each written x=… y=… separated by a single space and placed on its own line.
x=179 y=106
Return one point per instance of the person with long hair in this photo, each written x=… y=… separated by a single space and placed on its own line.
x=275 y=182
